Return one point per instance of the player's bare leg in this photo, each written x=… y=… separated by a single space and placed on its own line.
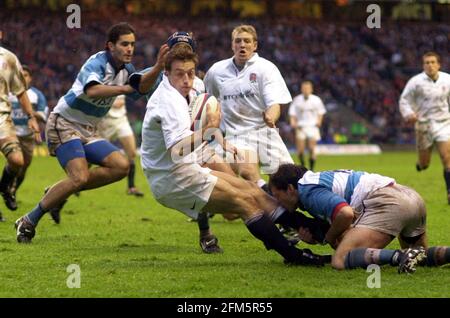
x=247 y=167
x=356 y=238
x=10 y=198
x=220 y=165
x=113 y=168
x=300 y=144
x=424 y=158
x=226 y=198
x=10 y=147
x=444 y=153
x=129 y=146
x=361 y=247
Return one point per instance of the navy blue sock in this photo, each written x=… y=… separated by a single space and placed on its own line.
x=438 y=255
x=131 y=174
x=7 y=178
x=36 y=214
x=312 y=162
x=447 y=179
x=264 y=229
x=301 y=158
x=203 y=223
x=363 y=257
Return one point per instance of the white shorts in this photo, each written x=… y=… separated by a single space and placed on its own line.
x=427 y=133
x=112 y=128
x=186 y=188
x=267 y=145
x=308 y=132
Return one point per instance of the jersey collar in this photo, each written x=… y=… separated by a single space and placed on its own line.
x=113 y=63
x=248 y=63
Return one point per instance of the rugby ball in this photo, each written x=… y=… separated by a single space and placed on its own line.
x=197 y=109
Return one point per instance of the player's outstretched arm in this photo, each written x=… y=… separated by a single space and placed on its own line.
x=102 y=91
x=149 y=78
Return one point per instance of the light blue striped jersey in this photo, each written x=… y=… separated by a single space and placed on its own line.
x=320 y=193
x=100 y=68
x=20 y=119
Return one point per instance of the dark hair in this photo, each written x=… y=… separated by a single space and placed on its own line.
x=431 y=53
x=181 y=53
x=117 y=30
x=27 y=69
x=287 y=174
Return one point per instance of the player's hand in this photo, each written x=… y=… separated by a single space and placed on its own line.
x=306 y=236
x=213 y=117
x=411 y=119
x=270 y=121
x=34 y=126
x=229 y=147
x=161 y=58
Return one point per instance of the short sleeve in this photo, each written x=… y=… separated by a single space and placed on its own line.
x=321 y=107
x=319 y=201
x=210 y=85
x=17 y=85
x=91 y=74
x=273 y=88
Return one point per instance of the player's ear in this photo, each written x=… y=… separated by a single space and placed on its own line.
x=256 y=45
x=110 y=45
x=290 y=188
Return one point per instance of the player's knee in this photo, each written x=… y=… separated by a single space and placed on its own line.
x=338 y=262
x=16 y=161
x=249 y=173
x=122 y=167
x=80 y=179
x=131 y=155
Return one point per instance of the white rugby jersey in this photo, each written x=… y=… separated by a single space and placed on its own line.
x=20 y=119
x=244 y=95
x=100 y=68
x=167 y=121
x=307 y=111
x=429 y=99
x=11 y=78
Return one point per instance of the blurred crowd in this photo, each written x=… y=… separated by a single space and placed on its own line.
x=350 y=65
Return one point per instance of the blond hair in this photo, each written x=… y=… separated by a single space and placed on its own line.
x=244 y=28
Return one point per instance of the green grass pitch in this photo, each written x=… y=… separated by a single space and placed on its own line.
x=134 y=247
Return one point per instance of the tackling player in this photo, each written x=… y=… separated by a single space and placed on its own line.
x=366 y=212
